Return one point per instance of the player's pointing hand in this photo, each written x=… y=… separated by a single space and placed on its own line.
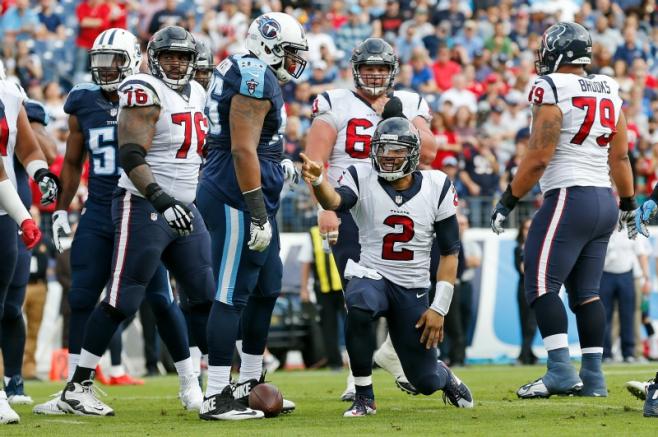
x=311 y=170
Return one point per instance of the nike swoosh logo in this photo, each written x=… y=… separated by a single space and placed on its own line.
x=247 y=413
x=420 y=295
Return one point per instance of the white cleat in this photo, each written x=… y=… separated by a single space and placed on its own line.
x=80 y=399
x=537 y=389
x=638 y=389
x=7 y=414
x=190 y=393
x=288 y=406
x=50 y=407
x=20 y=400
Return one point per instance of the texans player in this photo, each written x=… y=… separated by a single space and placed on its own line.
x=578 y=142
x=398 y=210
x=343 y=123
x=161 y=130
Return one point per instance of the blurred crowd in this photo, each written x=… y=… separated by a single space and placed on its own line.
x=473 y=61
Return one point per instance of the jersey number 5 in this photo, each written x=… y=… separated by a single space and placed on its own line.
x=185 y=119
x=357 y=145
x=388 y=248
x=606 y=116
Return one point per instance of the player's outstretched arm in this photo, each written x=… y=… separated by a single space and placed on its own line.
x=30 y=155
x=324 y=192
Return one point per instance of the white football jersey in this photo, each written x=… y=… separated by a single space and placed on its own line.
x=397 y=229
x=11 y=101
x=175 y=153
x=590 y=108
x=355 y=121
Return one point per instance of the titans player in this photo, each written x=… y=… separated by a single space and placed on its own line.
x=149 y=222
x=239 y=197
x=397 y=210
x=578 y=142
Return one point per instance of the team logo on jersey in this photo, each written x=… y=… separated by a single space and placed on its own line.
x=251 y=86
x=154 y=216
x=398 y=199
x=114 y=112
x=269 y=27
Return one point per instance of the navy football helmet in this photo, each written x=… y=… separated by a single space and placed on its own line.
x=205 y=64
x=391 y=137
x=172 y=39
x=563 y=43
x=374 y=51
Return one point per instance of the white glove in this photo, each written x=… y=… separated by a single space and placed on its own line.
x=61 y=228
x=179 y=218
x=260 y=236
x=290 y=172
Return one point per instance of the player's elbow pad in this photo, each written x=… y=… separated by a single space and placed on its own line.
x=447 y=235
x=131 y=155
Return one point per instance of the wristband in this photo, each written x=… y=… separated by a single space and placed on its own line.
x=33 y=166
x=256 y=206
x=318 y=181
x=158 y=198
x=509 y=200
x=627 y=204
x=442 y=297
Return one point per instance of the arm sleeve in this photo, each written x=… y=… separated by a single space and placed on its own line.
x=447 y=235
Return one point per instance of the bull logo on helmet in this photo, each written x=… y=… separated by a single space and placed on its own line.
x=269 y=27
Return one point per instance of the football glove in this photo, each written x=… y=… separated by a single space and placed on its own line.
x=48 y=185
x=290 y=173
x=178 y=216
x=260 y=234
x=61 y=228
x=627 y=216
x=643 y=216
x=502 y=209
x=30 y=233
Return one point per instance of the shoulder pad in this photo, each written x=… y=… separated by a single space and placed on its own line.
x=36 y=112
x=253 y=74
x=77 y=96
x=136 y=92
x=543 y=91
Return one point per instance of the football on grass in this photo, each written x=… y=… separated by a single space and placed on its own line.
x=266 y=398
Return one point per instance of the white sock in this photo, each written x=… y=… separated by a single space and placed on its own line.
x=218 y=378
x=238 y=346
x=363 y=380
x=195 y=354
x=350 y=379
x=117 y=371
x=73 y=363
x=88 y=360
x=251 y=367
x=184 y=368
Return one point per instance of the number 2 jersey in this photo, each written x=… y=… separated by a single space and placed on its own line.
x=175 y=152
x=590 y=108
x=97 y=120
x=248 y=76
x=355 y=122
x=396 y=228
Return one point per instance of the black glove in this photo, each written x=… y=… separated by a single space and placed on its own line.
x=48 y=185
x=393 y=108
x=178 y=216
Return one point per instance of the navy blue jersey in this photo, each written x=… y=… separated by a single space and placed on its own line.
x=97 y=118
x=246 y=75
x=36 y=113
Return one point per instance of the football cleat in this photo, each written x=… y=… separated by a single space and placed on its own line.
x=16 y=392
x=537 y=389
x=348 y=394
x=80 y=399
x=386 y=358
x=241 y=392
x=456 y=392
x=125 y=379
x=7 y=414
x=362 y=406
x=651 y=403
x=50 y=407
x=224 y=406
x=638 y=388
x=190 y=393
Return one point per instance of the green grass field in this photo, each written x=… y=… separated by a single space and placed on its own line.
x=154 y=410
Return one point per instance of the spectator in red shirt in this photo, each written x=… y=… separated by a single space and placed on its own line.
x=444 y=68
x=93 y=18
x=118 y=14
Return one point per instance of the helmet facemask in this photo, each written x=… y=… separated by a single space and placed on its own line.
x=109 y=68
x=292 y=64
x=374 y=84
x=177 y=81
x=393 y=159
x=203 y=75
